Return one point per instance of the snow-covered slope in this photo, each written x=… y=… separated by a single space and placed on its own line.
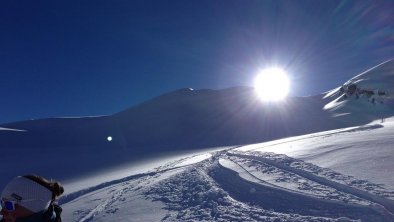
x=340 y=175
x=185 y=119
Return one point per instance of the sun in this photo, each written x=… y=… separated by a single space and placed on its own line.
x=272 y=84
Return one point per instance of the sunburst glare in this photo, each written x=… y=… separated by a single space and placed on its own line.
x=272 y=84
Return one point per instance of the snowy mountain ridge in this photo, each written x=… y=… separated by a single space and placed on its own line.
x=380 y=77
x=375 y=86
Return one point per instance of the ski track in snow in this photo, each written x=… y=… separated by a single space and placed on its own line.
x=245 y=186
x=173 y=165
x=387 y=203
x=102 y=206
x=291 y=182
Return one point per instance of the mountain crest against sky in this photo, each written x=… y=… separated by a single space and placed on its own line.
x=371 y=93
x=206 y=118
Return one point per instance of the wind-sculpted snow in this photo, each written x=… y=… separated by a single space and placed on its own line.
x=234 y=186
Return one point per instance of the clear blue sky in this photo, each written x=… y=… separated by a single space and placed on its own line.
x=78 y=58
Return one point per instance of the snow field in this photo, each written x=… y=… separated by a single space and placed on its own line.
x=232 y=185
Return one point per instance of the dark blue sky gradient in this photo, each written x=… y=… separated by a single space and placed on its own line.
x=82 y=58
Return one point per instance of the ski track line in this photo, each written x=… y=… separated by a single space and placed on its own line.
x=117 y=195
x=281 y=200
x=103 y=205
x=386 y=203
x=72 y=196
x=283 y=188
